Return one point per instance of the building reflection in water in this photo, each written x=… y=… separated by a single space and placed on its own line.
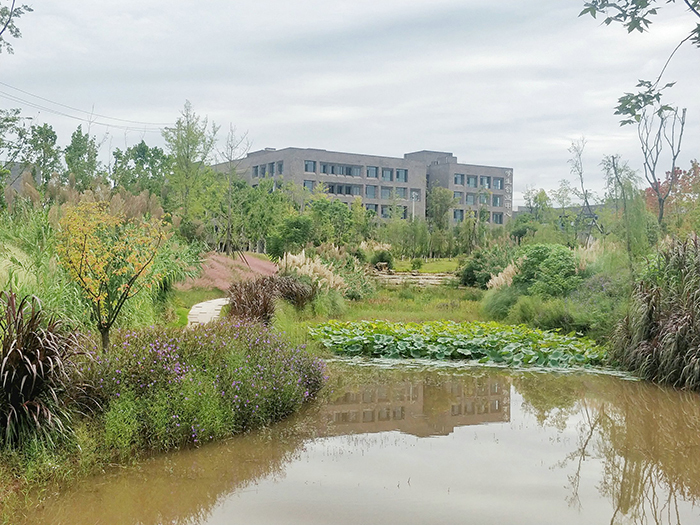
x=421 y=408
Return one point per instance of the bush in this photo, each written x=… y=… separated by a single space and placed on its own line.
x=165 y=388
x=484 y=264
x=416 y=264
x=497 y=303
x=383 y=256
x=253 y=300
x=37 y=372
x=547 y=270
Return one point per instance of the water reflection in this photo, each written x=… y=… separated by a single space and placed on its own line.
x=425 y=405
x=428 y=446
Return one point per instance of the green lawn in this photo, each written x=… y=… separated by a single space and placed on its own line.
x=429 y=266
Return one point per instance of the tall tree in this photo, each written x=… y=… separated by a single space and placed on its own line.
x=439 y=201
x=42 y=154
x=191 y=145
x=235 y=149
x=8 y=16
x=81 y=159
x=140 y=168
x=13 y=140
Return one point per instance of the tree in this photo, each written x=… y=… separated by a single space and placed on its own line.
x=42 y=154
x=191 y=145
x=81 y=159
x=8 y=15
x=439 y=201
x=538 y=203
x=236 y=147
x=109 y=257
x=140 y=168
x=13 y=139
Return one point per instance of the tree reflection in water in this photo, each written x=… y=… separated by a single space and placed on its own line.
x=647 y=438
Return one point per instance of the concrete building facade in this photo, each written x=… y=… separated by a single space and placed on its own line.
x=387 y=182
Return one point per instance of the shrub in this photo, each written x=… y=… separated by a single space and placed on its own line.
x=296 y=290
x=37 y=371
x=417 y=263
x=253 y=300
x=548 y=270
x=497 y=302
x=383 y=256
x=485 y=263
x=165 y=388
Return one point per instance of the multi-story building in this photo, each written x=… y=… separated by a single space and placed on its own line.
x=386 y=183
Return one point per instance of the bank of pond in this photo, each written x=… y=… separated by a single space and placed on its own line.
x=164 y=389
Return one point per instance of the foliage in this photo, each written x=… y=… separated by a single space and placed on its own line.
x=81 y=160
x=140 y=168
x=38 y=375
x=382 y=256
x=167 y=388
x=8 y=15
x=484 y=264
x=416 y=263
x=109 y=257
x=484 y=342
x=660 y=337
x=547 y=269
x=438 y=203
x=497 y=302
x=253 y=300
x=358 y=283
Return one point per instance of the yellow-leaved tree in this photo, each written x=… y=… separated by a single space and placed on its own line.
x=109 y=256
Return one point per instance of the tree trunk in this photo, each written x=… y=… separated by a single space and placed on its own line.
x=104 y=332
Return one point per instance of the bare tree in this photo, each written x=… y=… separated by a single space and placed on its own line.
x=237 y=146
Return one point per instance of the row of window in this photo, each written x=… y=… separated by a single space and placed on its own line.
x=385 y=211
x=481 y=198
x=470 y=181
x=268 y=170
x=495 y=218
x=371 y=191
x=371 y=172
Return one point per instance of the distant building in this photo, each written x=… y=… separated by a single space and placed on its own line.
x=383 y=182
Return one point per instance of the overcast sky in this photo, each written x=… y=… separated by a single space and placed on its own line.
x=509 y=83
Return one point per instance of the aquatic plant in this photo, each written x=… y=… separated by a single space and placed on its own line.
x=483 y=342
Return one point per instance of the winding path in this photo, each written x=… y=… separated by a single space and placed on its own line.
x=202 y=313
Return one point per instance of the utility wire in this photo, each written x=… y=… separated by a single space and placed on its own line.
x=154 y=124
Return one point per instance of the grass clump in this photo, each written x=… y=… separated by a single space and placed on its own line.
x=659 y=339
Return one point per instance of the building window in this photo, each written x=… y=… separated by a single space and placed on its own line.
x=371 y=192
x=401 y=193
x=271 y=169
x=483 y=198
x=280 y=167
x=459 y=179
x=372 y=172
x=497 y=218
x=309 y=185
x=415 y=195
x=330 y=188
x=458 y=196
x=497 y=201
x=471 y=199
x=324 y=168
x=348 y=190
x=485 y=182
x=371 y=207
x=497 y=183
x=401 y=175
x=458 y=215
x=310 y=166
x=386 y=193
x=387 y=174
x=255 y=172
x=356 y=171
x=471 y=181
x=262 y=170
x=386 y=212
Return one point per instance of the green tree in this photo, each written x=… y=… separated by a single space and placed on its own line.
x=42 y=153
x=190 y=143
x=81 y=159
x=236 y=148
x=109 y=257
x=8 y=16
x=13 y=140
x=439 y=201
x=140 y=168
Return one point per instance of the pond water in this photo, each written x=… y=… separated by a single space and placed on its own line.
x=417 y=444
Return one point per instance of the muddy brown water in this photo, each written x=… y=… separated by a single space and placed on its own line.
x=422 y=444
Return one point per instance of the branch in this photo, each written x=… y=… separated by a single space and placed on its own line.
x=692 y=8
x=9 y=18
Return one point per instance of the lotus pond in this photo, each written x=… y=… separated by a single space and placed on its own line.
x=417 y=442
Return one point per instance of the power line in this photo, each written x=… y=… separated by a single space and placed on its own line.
x=13 y=98
x=91 y=114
